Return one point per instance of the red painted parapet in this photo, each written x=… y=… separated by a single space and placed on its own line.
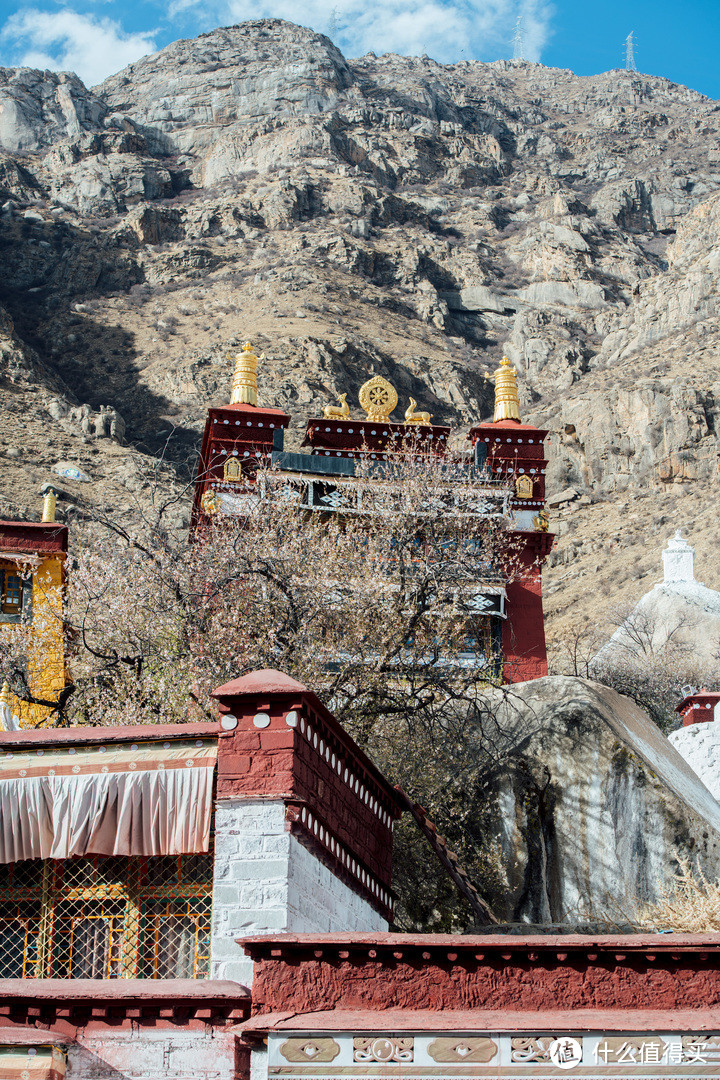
x=33 y=537
x=236 y=439
x=699 y=708
x=514 y=452
x=373 y=975
x=279 y=741
x=371 y=438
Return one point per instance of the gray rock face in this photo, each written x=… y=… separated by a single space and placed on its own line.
x=601 y=809
x=186 y=96
x=384 y=213
x=38 y=108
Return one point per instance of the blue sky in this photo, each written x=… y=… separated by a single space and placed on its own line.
x=679 y=40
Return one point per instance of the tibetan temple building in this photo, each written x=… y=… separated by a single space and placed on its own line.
x=214 y=901
x=507 y=472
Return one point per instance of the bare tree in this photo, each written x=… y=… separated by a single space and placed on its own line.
x=639 y=654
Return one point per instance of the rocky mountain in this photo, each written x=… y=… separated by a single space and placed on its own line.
x=386 y=214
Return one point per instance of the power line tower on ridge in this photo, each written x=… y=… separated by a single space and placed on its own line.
x=518 y=40
x=630 y=64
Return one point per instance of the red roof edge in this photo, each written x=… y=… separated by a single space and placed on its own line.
x=263 y=681
x=479 y=1020
x=471 y=943
x=125 y=991
x=104 y=734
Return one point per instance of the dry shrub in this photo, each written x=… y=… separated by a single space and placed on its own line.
x=689 y=905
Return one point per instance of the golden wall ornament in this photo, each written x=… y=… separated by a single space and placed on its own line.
x=413 y=417
x=337 y=412
x=447 y=1050
x=378 y=398
x=507 y=398
x=524 y=487
x=232 y=470
x=244 y=384
x=383 y=1049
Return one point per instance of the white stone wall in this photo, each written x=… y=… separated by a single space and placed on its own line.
x=175 y=1054
x=318 y=902
x=699 y=744
x=265 y=881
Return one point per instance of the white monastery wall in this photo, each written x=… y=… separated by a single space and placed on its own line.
x=319 y=902
x=265 y=880
x=699 y=744
x=181 y=1054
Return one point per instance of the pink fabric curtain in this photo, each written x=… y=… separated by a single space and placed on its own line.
x=164 y=811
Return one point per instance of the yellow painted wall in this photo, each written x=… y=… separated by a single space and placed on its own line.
x=45 y=641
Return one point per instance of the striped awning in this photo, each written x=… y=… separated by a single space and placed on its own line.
x=32 y=1062
x=144 y=798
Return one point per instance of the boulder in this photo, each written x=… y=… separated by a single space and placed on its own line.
x=562 y=497
x=598 y=808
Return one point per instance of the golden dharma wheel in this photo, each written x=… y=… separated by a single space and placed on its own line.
x=378 y=398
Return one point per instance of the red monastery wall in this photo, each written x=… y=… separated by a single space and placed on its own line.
x=306 y=973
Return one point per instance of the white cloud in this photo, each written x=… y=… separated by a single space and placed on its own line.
x=447 y=30
x=67 y=41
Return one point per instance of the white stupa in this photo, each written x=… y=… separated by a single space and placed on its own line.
x=678 y=609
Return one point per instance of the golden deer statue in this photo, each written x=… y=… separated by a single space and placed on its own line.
x=412 y=417
x=335 y=412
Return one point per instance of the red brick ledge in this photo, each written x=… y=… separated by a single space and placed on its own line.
x=466 y=947
x=464 y=1021
x=81 y=1003
x=104 y=734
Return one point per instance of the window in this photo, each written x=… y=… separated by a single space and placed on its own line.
x=106 y=918
x=11 y=590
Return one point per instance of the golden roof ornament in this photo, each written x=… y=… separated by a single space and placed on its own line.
x=49 y=504
x=378 y=398
x=412 y=416
x=244 y=384
x=507 y=399
x=337 y=412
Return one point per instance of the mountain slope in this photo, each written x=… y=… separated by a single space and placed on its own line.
x=383 y=214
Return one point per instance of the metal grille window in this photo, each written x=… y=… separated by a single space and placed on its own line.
x=106 y=918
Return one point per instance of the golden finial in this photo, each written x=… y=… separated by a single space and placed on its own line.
x=244 y=384
x=507 y=399
x=49 y=503
x=378 y=398
x=5 y=697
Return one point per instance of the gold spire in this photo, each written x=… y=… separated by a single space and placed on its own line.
x=507 y=399
x=244 y=384
x=5 y=698
x=49 y=503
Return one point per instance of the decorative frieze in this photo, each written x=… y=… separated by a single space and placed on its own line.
x=673 y=1055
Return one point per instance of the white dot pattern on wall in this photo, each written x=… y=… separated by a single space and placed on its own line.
x=335 y=762
x=341 y=853
x=261 y=720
